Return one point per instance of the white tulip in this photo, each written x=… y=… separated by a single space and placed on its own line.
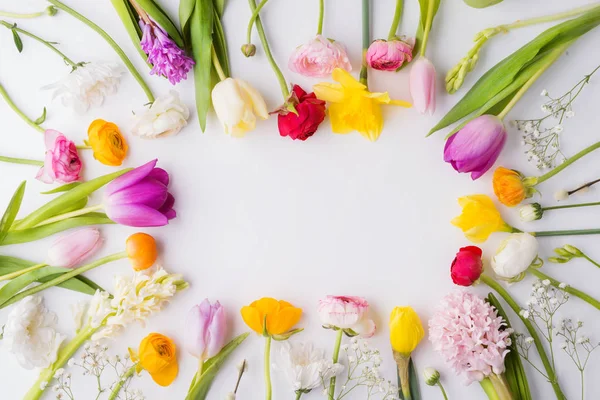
x=237 y=104
x=516 y=253
x=166 y=116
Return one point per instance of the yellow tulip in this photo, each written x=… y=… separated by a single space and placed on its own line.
x=480 y=218
x=352 y=107
x=406 y=330
x=157 y=355
x=109 y=146
x=280 y=316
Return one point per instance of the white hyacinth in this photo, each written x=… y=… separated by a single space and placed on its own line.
x=165 y=117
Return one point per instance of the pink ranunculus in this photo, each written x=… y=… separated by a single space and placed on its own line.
x=205 y=330
x=319 y=57
x=422 y=86
x=62 y=163
x=347 y=312
x=71 y=249
x=467 y=266
x=386 y=55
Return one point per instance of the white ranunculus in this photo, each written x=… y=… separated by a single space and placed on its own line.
x=516 y=253
x=304 y=366
x=166 y=116
x=87 y=85
x=30 y=333
x=237 y=104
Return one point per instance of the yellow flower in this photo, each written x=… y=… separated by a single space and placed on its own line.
x=406 y=330
x=510 y=186
x=109 y=146
x=480 y=218
x=352 y=107
x=157 y=355
x=280 y=316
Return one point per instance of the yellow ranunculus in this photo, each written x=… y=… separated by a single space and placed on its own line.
x=352 y=107
x=157 y=355
x=406 y=330
x=109 y=146
x=479 y=218
x=280 y=316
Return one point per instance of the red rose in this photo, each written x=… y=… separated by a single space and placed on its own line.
x=311 y=112
x=467 y=266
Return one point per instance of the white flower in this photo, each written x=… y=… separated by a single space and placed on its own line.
x=515 y=254
x=166 y=116
x=531 y=212
x=30 y=333
x=305 y=367
x=561 y=195
x=87 y=85
x=230 y=396
x=529 y=340
x=562 y=285
x=544 y=93
x=524 y=313
x=546 y=282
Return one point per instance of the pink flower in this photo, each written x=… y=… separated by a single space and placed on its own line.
x=347 y=312
x=319 y=57
x=386 y=55
x=71 y=249
x=467 y=266
x=468 y=333
x=62 y=163
x=205 y=330
x=422 y=86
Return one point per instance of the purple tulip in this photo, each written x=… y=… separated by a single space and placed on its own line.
x=205 y=330
x=140 y=197
x=476 y=146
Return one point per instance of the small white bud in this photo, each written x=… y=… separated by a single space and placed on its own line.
x=561 y=195
x=544 y=93
x=431 y=375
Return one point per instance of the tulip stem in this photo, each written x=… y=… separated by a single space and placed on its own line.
x=366 y=41
x=268 y=387
x=21 y=161
x=50 y=11
x=21 y=272
x=336 y=357
x=71 y=214
x=571 y=206
x=550 y=373
x=115 y=392
x=320 y=23
x=427 y=27
x=396 y=20
x=20 y=113
x=112 y=44
x=567 y=162
x=571 y=290
x=217 y=64
x=263 y=39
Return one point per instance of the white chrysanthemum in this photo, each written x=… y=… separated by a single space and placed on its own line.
x=30 y=333
x=87 y=85
x=166 y=116
x=304 y=366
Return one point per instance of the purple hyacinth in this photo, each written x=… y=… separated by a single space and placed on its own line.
x=166 y=58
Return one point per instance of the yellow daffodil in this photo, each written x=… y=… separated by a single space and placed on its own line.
x=157 y=355
x=280 y=316
x=480 y=218
x=406 y=330
x=352 y=107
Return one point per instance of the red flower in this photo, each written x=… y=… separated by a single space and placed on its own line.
x=467 y=266
x=311 y=112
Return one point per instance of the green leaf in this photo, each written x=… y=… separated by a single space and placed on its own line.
x=41 y=118
x=130 y=21
x=63 y=188
x=186 y=9
x=201 y=28
x=11 y=211
x=17 y=40
x=162 y=19
x=219 y=7
x=200 y=389
x=481 y=3
x=424 y=17
x=413 y=377
x=220 y=44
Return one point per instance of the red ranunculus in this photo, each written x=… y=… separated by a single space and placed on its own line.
x=467 y=266
x=311 y=112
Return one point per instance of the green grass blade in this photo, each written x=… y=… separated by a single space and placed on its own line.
x=11 y=211
x=63 y=188
x=201 y=28
x=161 y=17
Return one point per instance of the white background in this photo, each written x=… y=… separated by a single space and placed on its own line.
x=267 y=216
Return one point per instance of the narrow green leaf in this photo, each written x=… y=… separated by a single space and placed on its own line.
x=17 y=40
x=41 y=118
x=17 y=284
x=201 y=27
x=162 y=19
x=11 y=211
x=186 y=9
x=63 y=188
x=130 y=21
x=220 y=44
x=219 y=7
x=415 y=390
x=424 y=15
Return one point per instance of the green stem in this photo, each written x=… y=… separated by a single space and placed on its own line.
x=550 y=373
x=217 y=64
x=83 y=147
x=501 y=386
x=592 y=261
x=336 y=357
x=112 y=44
x=26 y=16
x=21 y=161
x=488 y=388
x=65 y=277
x=567 y=162
x=427 y=27
x=396 y=20
x=569 y=289
x=443 y=390
x=572 y=232
x=366 y=41
x=403 y=369
x=268 y=386
x=548 y=18
x=115 y=392
x=321 y=17
x=42 y=41
x=298 y=394
x=263 y=39
x=252 y=21
x=71 y=214
x=571 y=206
x=18 y=273
x=16 y=109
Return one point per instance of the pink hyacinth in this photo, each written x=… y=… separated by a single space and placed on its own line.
x=167 y=59
x=62 y=163
x=319 y=57
x=468 y=333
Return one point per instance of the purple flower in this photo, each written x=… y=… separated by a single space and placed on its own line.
x=140 y=197
x=205 y=330
x=167 y=59
x=476 y=146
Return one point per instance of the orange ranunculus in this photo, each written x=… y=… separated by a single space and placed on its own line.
x=280 y=316
x=510 y=187
x=141 y=250
x=157 y=355
x=109 y=146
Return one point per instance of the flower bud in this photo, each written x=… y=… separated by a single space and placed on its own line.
x=467 y=266
x=573 y=250
x=249 y=49
x=51 y=10
x=205 y=330
x=431 y=375
x=406 y=330
x=531 y=212
x=511 y=187
x=72 y=248
x=141 y=250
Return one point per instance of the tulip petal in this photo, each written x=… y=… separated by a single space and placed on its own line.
x=160 y=175
x=138 y=215
x=258 y=103
x=130 y=178
x=194 y=329
x=167 y=207
x=147 y=192
x=216 y=332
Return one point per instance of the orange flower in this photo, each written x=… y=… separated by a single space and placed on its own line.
x=280 y=316
x=109 y=146
x=157 y=355
x=141 y=250
x=510 y=187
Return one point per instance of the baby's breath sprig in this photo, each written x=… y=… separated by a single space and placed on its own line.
x=542 y=141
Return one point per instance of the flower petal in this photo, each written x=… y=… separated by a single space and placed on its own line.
x=137 y=215
x=346 y=79
x=130 y=178
x=148 y=192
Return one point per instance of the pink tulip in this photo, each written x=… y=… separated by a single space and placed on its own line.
x=319 y=57
x=205 y=330
x=347 y=312
x=71 y=249
x=422 y=86
x=62 y=163
x=386 y=55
